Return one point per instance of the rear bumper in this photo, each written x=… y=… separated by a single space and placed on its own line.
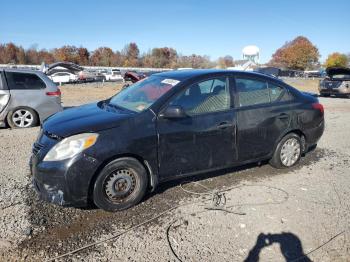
x=314 y=134
x=49 y=109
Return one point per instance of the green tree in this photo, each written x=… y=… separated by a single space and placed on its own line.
x=337 y=60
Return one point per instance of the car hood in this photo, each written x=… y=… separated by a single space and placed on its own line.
x=82 y=119
x=331 y=71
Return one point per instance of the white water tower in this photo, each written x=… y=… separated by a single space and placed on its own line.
x=251 y=53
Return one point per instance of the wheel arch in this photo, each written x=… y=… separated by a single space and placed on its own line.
x=152 y=177
x=18 y=107
x=296 y=131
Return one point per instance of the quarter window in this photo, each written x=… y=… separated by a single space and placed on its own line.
x=276 y=92
x=24 y=81
x=252 y=92
x=204 y=97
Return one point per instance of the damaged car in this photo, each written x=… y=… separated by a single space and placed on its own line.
x=27 y=98
x=337 y=82
x=170 y=125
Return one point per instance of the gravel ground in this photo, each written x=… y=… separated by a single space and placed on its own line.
x=271 y=214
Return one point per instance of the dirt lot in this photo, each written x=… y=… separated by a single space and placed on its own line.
x=275 y=215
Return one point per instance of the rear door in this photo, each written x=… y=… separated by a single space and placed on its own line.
x=4 y=92
x=203 y=140
x=264 y=113
x=27 y=89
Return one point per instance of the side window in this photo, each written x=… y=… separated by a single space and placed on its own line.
x=276 y=92
x=204 y=97
x=252 y=92
x=24 y=81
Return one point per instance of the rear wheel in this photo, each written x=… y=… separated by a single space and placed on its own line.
x=120 y=185
x=288 y=151
x=22 y=118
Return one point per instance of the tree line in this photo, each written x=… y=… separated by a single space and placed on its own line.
x=298 y=54
x=129 y=56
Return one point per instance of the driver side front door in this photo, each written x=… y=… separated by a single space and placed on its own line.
x=205 y=138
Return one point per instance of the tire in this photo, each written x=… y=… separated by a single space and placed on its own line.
x=287 y=152
x=22 y=117
x=325 y=95
x=129 y=175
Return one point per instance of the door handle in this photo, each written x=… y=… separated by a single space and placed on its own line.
x=283 y=116
x=224 y=125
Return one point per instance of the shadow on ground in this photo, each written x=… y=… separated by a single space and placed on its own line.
x=290 y=245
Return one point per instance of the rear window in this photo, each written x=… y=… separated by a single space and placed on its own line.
x=252 y=92
x=24 y=81
x=341 y=77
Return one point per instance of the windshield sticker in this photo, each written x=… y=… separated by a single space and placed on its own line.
x=140 y=107
x=170 y=82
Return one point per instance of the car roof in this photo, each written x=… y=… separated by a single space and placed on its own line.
x=186 y=74
x=20 y=70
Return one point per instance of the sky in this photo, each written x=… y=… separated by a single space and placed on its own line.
x=214 y=28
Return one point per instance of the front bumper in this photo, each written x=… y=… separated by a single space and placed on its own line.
x=65 y=182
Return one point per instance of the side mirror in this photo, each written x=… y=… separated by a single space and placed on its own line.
x=172 y=112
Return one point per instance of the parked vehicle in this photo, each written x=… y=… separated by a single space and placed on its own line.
x=133 y=77
x=86 y=76
x=113 y=75
x=63 y=77
x=336 y=83
x=167 y=126
x=27 y=98
x=313 y=73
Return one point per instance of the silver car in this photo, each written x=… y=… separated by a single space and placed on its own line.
x=337 y=82
x=27 y=98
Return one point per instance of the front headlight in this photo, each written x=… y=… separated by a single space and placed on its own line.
x=71 y=146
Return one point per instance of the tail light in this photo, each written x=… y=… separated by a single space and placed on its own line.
x=55 y=93
x=318 y=106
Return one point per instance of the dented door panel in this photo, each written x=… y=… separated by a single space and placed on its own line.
x=195 y=144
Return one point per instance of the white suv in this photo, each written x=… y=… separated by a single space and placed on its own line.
x=114 y=75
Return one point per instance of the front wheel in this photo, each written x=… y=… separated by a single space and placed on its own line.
x=120 y=185
x=288 y=152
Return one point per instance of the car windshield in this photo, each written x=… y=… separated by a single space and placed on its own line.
x=143 y=94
